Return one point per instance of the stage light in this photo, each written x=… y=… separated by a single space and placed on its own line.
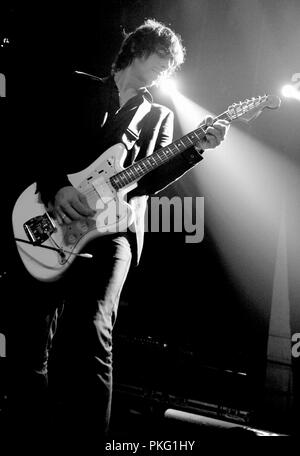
x=289 y=91
x=168 y=86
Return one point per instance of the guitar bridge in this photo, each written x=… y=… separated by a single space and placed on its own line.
x=38 y=229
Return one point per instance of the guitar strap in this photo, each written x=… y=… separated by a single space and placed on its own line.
x=133 y=130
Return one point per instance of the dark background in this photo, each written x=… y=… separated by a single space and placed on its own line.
x=193 y=320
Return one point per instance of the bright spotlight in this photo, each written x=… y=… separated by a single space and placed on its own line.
x=290 y=91
x=168 y=86
x=287 y=91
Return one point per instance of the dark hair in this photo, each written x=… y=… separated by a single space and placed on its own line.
x=150 y=37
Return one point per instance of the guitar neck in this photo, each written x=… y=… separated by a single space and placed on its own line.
x=142 y=167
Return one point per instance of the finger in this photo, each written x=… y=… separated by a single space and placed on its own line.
x=58 y=218
x=66 y=219
x=218 y=134
x=62 y=217
x=211 y=142
x=209 y=120
x=217 y=126
x=68 y=214
x=82 y=206
x=214 y=138
x=223 y=127
x=82 y=210
x=222 y=121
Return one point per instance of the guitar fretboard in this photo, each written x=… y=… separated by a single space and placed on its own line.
x=139 y=169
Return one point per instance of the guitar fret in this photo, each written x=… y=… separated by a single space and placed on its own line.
x=197 y=136
x=130 y=173
x=116 y=182
x=119 y=180
x=182 y=141
x=165 y=154
x=144 y=166
x=186 y=141
x=190 y=137
x=123 y=178
x=138 y=169
x=152 y=161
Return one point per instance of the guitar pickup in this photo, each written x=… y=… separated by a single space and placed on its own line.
x=38 y=229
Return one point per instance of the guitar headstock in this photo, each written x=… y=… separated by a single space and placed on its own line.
x=250 y=109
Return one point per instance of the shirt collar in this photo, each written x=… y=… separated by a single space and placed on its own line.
x=143 y=91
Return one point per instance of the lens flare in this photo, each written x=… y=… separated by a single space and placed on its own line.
x=168 y=86
x=290 y=91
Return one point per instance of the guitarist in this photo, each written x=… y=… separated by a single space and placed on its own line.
x=100 y=111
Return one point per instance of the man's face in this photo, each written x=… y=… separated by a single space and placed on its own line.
x=152 y=68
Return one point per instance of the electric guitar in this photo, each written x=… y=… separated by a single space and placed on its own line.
x=47 y=249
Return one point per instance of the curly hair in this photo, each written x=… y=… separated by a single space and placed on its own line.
x=150 y=37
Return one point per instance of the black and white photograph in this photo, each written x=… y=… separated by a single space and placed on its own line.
x=150 y=227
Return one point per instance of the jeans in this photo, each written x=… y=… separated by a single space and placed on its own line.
x=89 y=293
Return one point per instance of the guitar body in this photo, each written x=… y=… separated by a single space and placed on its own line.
x=32 y=222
